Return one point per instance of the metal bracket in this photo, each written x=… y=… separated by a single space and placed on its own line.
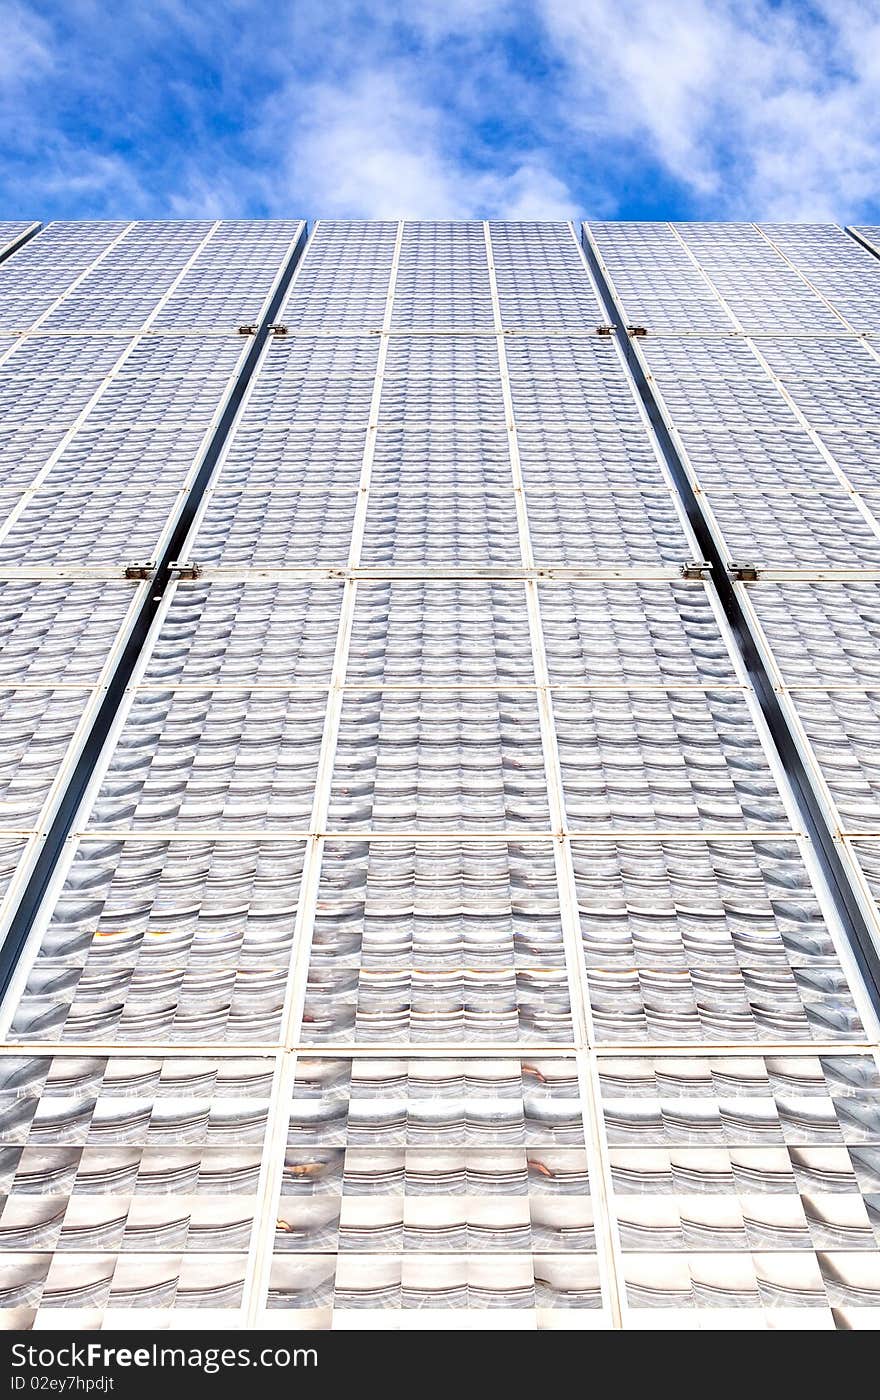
x=278 y=328
x=605 y=330
x=250 y=329
x=185 y=568
x=140 y=571
x=743 y=573
x=636 y=330
x=696 y=568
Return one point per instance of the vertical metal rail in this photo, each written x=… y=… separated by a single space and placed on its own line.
x=843 y=894
x=33 y=893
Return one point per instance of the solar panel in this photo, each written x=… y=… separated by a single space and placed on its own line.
x=441 y=940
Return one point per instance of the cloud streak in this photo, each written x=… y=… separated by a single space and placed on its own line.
x=756 y=109
x=468 y=108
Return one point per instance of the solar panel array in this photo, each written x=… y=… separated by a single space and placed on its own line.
x=119 y=348
x=761 y=344
x=438 y=943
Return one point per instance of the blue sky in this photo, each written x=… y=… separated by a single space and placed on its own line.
x=425 y=108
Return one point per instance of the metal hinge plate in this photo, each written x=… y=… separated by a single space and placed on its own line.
x=140 y=571
x=696 y=568
x=743 y=573
x=185 y=568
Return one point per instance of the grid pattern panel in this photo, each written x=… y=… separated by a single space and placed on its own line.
x=109 y=402
x=439 y=794
x=757 y=350
x=816 y=632
x=110 y=399
x=421 y=1190
x=745 y=1187
x=129 y=1184
x=774 y=413
x=60 y=643
x=802 y=505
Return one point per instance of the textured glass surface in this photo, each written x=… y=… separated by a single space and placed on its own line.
x=462 y=954
x=746 y=1183
x=54 y=633
x=275 y=529
x=228 y=758
x=446 y=760
x=650 y=759
x=435 y=942
x=65 y=525
x=697 y=903
x=842 y=729
x=452 y=530
x=730 y=457
x=435 y=1186
x=440 y=632
x=797 y=530
x=47 y=267
x=129 y=1184
x=240 y=634
x=612 y=529
x=822 y=633
x=170 y=941
x=634 y=633
x=785 y=285
x=11 y=851
x=37 y=727
x=111 y=399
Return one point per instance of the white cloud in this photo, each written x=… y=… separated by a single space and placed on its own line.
x=531 y=191
x=27 y=50
x=757 y=109
x=377 y=151
x=510 y=108
x=769 y=111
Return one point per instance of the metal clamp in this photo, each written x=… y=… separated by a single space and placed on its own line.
x=696 y=568
x=279 y=328
x=185 y=568
x=604 y=330
x=636 y=330
x=743 y=573
x=140 y=571
x=250 y=329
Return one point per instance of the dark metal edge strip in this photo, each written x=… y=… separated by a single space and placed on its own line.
x=862 y=241
x=16 y=243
